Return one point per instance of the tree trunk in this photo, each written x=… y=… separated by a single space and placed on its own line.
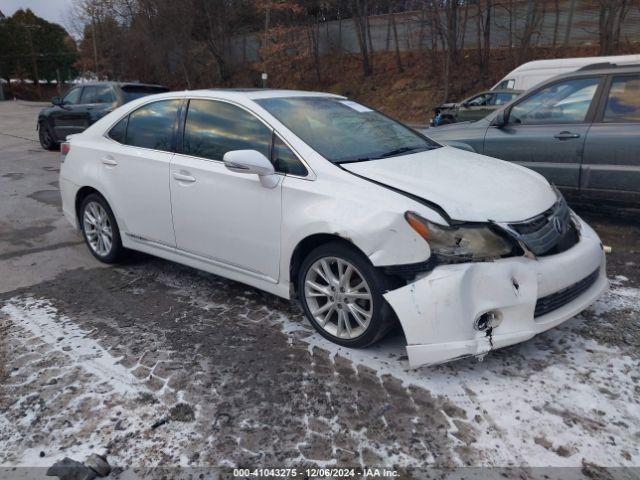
x=395 y=37
x=567 y=32
x=361 y=33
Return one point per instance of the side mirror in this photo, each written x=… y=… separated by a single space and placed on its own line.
x=56 y=101
x=500 y=120
x=251 y=162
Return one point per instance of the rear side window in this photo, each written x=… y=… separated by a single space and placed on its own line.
x=214 y=128
x=119 y=130
x=131 y=92
x=623 y=103
x=150 y=126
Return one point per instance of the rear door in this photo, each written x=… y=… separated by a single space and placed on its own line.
x=134 y=169
x=546 y=130
x=611 y=165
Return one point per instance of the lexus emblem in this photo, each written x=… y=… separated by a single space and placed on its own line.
x=558 y=224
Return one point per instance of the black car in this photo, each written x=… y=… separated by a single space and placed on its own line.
x=83 y=105
x=581 y=130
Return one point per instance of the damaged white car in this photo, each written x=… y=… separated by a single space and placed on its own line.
x=316 y=197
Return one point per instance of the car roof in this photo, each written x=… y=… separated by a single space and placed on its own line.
x=597 y=69
x=116 y=84
x=246 y=93
x=576 y=62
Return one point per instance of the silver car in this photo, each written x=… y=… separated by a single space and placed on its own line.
x=580 y=130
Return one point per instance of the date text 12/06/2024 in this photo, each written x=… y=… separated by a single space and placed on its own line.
x=315 y=473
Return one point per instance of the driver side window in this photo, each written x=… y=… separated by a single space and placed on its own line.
x=72 y=97
x=562 y=102
x=480 y=100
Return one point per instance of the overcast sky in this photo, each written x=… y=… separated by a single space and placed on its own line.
x=51 y=10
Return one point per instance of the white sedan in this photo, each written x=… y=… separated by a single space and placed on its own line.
x=363 y=220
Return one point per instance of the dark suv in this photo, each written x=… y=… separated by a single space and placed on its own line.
x=581 y=130
x=83 y=105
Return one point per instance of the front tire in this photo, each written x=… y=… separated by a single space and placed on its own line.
x=100 y=230
x=341 y=295
x=47 y=141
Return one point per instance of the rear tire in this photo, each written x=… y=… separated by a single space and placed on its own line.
x=100 y=230
x=47 y=140
x=341 y=295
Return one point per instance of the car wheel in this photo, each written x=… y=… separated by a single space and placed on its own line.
x=100 y=229
x=46 y=137
x=341 y=295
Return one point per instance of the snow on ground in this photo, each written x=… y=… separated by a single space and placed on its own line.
x=552 y=401
x=546 y=381
x=85 y=377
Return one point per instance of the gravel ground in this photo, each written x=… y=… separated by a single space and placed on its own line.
x=156 y=364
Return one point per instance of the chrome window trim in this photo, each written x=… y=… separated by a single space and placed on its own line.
x=311 y=175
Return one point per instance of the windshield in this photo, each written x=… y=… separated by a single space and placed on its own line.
x=344 y=131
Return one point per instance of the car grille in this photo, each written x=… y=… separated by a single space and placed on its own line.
x=560 y=298
x=550 y=232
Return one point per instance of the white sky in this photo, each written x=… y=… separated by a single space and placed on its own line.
x=52 y=10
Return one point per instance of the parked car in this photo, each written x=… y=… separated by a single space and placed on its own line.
x=473 y=108
x=530 y=74
x=316 y=197
x=84 y=104
x=580 y=130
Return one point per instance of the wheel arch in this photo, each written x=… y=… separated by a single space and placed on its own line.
x=83 y=193
x=305 y=246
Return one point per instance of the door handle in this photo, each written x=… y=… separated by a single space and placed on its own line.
x=183 y=177
x=566 y=135
x=109 y=161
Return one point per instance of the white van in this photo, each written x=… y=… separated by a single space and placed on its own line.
x=531 y=73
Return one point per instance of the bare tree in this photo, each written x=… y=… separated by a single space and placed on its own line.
x=484 y=19
x=360 y=19
x=612 y=15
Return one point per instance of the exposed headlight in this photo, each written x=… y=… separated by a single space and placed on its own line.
x=460 y=244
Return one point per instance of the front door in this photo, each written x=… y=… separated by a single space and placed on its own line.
x=546 y=130
x=611 y=165
x=134 y=169
x=70 y=117
x=228 y=218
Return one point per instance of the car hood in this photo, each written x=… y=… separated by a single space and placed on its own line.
x=468 y=186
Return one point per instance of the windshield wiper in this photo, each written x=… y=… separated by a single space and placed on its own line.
x=401 y=150
x=391 y=153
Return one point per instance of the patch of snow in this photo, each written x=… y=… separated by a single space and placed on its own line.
x=558 y=386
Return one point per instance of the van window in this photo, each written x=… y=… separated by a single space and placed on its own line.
x=508 y=83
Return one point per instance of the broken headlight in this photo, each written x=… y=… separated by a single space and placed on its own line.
x=467 y=243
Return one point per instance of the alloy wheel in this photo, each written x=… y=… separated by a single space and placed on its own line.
x=338 y=297
x=97 y=228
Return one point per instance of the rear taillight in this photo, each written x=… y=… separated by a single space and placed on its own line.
x=65 y=148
